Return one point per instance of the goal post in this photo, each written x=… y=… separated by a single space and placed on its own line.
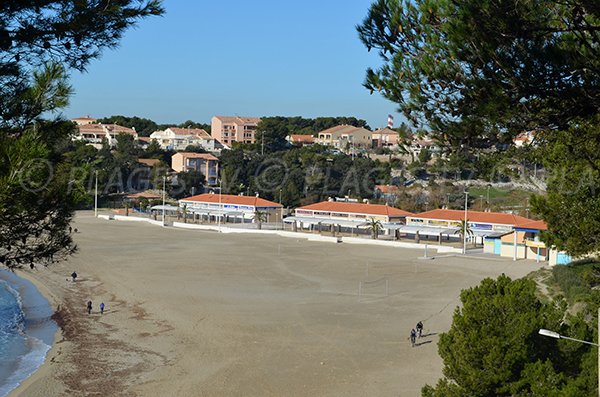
x=374 y=288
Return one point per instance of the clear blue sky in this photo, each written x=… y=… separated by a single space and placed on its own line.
x=227 y=57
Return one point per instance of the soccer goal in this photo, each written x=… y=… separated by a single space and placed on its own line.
x=373 y=289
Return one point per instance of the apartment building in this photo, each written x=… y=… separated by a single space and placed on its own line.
x=343 y=136
x=229 y=129
x=385 y=137
x=180 y=138
x=93 y=134
x=203 y=162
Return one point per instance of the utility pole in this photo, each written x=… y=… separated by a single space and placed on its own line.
x=220 y=202
x=164 y=198
x=465 y=226
x=96 y=197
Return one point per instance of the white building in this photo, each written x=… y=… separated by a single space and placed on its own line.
x=180 y=138
x=93 y=134
x=231 y=208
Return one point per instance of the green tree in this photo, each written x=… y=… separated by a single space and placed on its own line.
x=271 y=133
x=144 y=127
x=374 y=226
x=493 y=347
x=479 y=72
x=259 y=218
x=39 y=41
x=570 y=205
x=153 y=151
x=188 y=183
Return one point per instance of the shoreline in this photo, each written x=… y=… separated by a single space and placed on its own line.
x=31 y=292
x=204 y=314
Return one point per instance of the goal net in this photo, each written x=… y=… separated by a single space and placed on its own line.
x=373 y=289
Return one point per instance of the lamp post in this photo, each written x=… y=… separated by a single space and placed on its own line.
x=220 y=203
x=164 y=198
x=556 y=335
x=465 y=226
x=96 y=196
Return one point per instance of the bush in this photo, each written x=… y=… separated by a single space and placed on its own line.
x=570 y=282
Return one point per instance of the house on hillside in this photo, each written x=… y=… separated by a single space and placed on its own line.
x=203 y=162
x=344 y=136
x=385 y=137
x=388 y=193
x=174 y=138
x=300 y=140
x=84 y=120
x=229 y=129
x=93 y=134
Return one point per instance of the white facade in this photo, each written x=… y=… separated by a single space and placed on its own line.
x=93 y=134
x=180 y=138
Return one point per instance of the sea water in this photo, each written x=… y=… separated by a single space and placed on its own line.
x=26 y=330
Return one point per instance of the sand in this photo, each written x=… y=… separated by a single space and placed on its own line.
x=195 y=313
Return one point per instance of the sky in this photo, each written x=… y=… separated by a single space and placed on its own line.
x=236 y=57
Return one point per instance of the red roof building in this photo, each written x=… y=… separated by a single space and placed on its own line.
x=485 y=222
x=347 y=213
x=229 y=205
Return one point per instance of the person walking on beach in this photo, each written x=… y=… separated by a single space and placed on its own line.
x=102 y=308
x=74 y=276
x=89 y=307
x=413 y=337
x=420 y=328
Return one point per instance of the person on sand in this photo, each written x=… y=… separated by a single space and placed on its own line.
x=102 y=308
x=420 y=328
x=89 y=307
x=74 y=276
x=413 y=337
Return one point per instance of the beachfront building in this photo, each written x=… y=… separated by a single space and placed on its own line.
x=444 y=224
x=231 y=208
x=229 y=129
x=524 y=242
x=180 y=138
x=385 y=137
x=342 y=216
x=203 y=162
x=93 y=134
x=344 y=136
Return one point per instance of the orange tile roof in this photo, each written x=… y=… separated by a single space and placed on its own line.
x=356 y=208
x=84 y=118
x=342 y=127
x=302 y=138
x=538 y=225
x=385 y=131
x=149 y=162
x=146 y=195
x=474 y=216
x=194 y=155
x=387 y=188
x=115 y=128
x=239 y=119
x=199 y=132
x=232 y=199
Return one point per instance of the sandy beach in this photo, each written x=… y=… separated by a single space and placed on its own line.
x=193 y=313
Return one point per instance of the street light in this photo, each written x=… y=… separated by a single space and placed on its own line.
x=164 y=198
x=556 y=335
x=220 y=203
x=96 y=196
x=465 y=226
